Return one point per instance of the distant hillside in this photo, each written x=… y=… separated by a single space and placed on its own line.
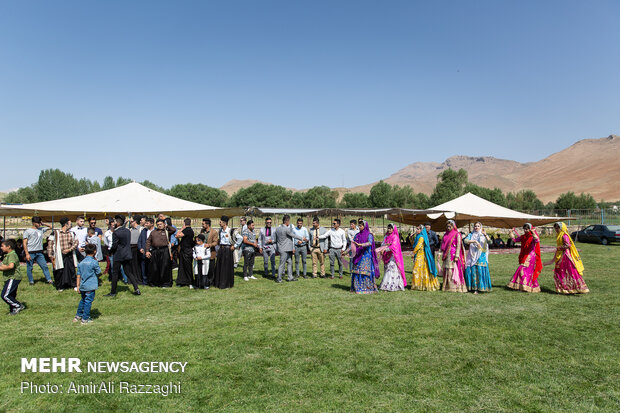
x=590 y=165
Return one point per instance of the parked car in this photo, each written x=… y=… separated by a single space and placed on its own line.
x=603 y=234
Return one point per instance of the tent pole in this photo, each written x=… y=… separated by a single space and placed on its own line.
x=4 y=229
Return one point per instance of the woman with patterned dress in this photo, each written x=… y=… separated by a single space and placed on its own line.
x=453 y=256
x=365 y=265
x=477 y=276
x=394 y=276
x=568 y=272
x=530 y=265
x=424 y=269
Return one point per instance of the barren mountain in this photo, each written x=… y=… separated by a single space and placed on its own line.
x=590 y=165
x=234 y=185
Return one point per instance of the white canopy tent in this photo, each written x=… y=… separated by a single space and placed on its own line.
x=129 y=199
x=470 y=208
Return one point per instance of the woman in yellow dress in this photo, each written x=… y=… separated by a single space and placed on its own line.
x=424 y=269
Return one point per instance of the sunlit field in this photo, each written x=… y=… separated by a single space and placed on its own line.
x=313 y=346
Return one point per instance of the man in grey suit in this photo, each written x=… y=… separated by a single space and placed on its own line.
x=283 y=238
x=267 y=247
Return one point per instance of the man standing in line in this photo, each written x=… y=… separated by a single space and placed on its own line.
x=317 y=247
x=158 y=252
x=352 y=231
x=121 y=256
x=224 y=265
x=283 y=238
x=149 y=224
x=61 y=249
x=185 y=275
x=212 y=239
x=33 y=249
x=80 y=232
x=249 y=247
x=267 y=247
x=300 y=248
x=433 y=240
x=337 y=245
x=136 y=258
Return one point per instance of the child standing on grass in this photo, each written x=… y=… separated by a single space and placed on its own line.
x=94 y=239
x=87 y=283
x=12 y=276
x=201 y=255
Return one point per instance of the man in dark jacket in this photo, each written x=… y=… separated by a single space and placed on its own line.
x=121 y=256
x=433 y=239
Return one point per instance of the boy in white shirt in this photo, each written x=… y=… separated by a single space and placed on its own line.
x=201 y=255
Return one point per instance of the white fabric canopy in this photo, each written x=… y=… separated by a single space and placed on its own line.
x=470 y=208
x=131 y=199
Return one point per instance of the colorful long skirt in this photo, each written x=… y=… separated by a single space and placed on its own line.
x=453 y=279
x=478 y=278
x=422 y=279
x=392 y=279
x=567 y=278
x=523 y=278
x=363 y=284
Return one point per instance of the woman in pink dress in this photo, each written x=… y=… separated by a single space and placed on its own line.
x=394 y=276
x=453 y=256
x=568 y=270
x=530 y=265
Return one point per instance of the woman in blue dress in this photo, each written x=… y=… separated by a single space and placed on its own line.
x=365 y=264
x=477 y=276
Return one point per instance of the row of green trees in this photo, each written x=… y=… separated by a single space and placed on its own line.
x=56 y=184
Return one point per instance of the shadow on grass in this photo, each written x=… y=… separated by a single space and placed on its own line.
x=95 y=313
x=342 y=287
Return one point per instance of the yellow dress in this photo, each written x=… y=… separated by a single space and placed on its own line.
x=423 y=280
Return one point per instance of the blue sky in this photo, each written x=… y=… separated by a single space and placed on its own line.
x=298 y=93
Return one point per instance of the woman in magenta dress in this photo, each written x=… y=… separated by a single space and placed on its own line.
x=530 y=265
x=568 y=272
x=453 y=256
x=394 y=275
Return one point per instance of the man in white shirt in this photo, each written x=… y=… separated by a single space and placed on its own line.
x=337 y=245
x=352 y=231
x=81 y=233
x=300 y=248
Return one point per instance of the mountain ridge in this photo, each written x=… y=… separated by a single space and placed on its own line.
x=589 y=165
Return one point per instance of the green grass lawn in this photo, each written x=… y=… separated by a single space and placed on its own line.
x=313 y=346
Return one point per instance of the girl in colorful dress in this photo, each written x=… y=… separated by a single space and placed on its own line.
x=477 y=276
x=424 y=269
x=568 y=266
x=530 y=265
x=453 y=256
x=365 y=264
x=394 y=276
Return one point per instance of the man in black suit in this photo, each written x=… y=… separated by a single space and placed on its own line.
x=121 y=254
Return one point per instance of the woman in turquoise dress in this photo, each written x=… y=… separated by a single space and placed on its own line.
x=365 y=264
x=477 y=276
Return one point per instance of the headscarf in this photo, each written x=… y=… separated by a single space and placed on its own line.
x=572 y=249
x=393 y=242
x=526 y=246
x=361 y=238
x=474 y=251
x=430 y=260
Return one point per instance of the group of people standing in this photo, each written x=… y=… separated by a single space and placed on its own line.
x=461 y=271
x=144 y=253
